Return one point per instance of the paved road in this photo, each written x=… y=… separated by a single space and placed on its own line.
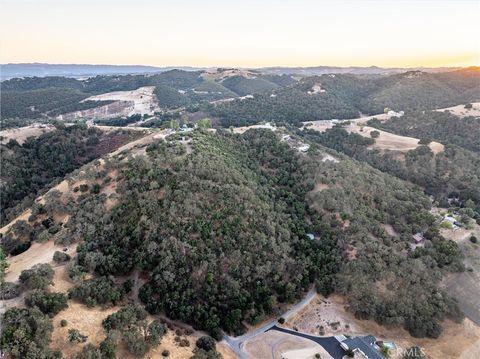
x=236 y=343
x=330 y=344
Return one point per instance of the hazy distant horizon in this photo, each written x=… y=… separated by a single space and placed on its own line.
x=231 y=66
x=246 y=34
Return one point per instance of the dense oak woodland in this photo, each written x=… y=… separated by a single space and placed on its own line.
x=217 y=227
x=28 y=168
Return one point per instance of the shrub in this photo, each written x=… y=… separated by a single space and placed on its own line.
x=446 y=225
x=63 y=323
x=48 y=303
x=156 y=330
x=206 y=343
x=281 y=320
x=184 y=343
x=165 y=353
x=95 y=188
x=135 y=343
x=124 y=318
x=9 y=290
x=473 y=239
x=37 y=277
x=108 y=347
x=375 y=134
x=61 y=256
x=74 y=335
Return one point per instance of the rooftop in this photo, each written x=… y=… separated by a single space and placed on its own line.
x=365 y=345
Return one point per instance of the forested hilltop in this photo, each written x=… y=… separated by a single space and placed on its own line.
x=216 y=225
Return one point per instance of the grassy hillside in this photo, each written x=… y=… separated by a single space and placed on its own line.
x=439 y=126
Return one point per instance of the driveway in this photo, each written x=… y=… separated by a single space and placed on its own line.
x=330 y=344
x=236 y=343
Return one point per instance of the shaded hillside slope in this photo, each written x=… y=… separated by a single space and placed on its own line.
x=30 y=167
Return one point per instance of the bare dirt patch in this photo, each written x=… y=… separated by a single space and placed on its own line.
x=465 y=286
x=274 y=344
x=386 y=140
x=392 y=142
x=222 y=74
x=36 y=254
x=87 y=320
x=319 y=187
x=126 y=103
x=22 y=133
x=389 y=229
x=461 y=111
x=61 y=281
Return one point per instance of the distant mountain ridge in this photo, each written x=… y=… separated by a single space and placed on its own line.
x=12 y=70
x=9 y=71
x=355 y=70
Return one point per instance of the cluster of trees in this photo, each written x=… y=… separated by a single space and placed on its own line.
x=26 y=334
x=206 y=348
x=139 y=335
x=38 y=277
x=119 y=121
x=101 y=290
x=48 y=302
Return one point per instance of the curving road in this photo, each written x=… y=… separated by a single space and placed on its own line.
x=236 y=343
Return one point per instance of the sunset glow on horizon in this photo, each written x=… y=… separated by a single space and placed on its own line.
x=242 y=33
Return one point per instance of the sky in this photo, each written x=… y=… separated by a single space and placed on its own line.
x=244 y=33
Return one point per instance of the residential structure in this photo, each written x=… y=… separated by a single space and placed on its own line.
x=364 y=347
